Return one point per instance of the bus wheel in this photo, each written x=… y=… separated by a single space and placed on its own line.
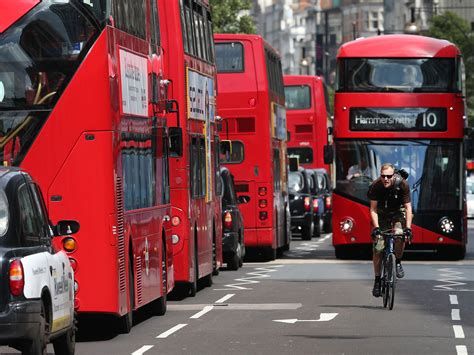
x=125 y=322
x=270 y=253
x=215 y=269
x=160 y=305
x=342 y=252
x=307 y=231
x=193 y=286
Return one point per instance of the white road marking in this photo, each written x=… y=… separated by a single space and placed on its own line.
x=453 y=299
x=225 y=298
x=171 y=331
x=142 y=350
x=203 y=312
x=455 y=314
x=458 y=332
x=461 y=349
x=259 y=273
x=324 y=317
x=451 y=279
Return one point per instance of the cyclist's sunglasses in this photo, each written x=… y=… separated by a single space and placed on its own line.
x=383 y=176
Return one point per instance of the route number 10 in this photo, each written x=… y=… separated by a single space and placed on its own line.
x=430 y=119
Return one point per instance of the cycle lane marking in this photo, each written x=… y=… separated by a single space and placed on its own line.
x=225 y=298
x=202 y=312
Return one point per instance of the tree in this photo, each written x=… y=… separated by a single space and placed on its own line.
x=453 y=28
x=227 y=16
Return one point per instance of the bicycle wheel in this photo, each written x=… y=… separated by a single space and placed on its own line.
x=392 y=281
x=385 y=280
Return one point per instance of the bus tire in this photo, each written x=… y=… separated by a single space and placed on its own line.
x=342 y=252
x=307 y=231
x=193 y=285
x=160 y=304
x=269 y=253
x=215 y=269
x=125 y=322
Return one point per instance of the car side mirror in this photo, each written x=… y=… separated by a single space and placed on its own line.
x=328 y=154
x=243 y=199
x=66 y=228
x=176 y=141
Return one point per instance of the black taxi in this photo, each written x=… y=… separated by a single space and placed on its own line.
x=36 y=282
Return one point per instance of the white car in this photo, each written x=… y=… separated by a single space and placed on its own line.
x=470 y=196
x=36 y=282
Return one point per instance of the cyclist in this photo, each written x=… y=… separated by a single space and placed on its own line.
x=390 y=209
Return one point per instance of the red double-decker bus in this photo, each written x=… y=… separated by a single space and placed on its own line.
x=399 y=99
x=308 y=118
x=196 y=212
x=251 y=101
x=82 y=109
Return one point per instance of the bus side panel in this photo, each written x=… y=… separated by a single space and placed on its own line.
x=84 y=191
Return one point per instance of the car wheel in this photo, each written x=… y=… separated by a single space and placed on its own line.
x=234 y=262
x=37 y=346
x=66 y=343
x=307 y=231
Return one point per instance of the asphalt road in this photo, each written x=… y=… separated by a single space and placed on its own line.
x=307 y=302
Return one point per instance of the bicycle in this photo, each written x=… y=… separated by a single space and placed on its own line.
x=388 y=269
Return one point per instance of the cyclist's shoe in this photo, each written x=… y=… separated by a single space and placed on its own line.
x=376 y=289
x=400 y=272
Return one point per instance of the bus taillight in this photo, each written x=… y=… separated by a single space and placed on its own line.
x=315 y=206
x=17 y=281
x=263 y=215
x=327 y=202
x=307 y=203
x=227 y=220
x=262 y=191
x=262 y=203
x=175 y=221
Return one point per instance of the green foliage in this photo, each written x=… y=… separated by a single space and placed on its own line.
x=451 y=27
x=226 y=17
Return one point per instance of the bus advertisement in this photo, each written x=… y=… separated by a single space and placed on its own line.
x=403 y=105
x=82 y=110
x=196 y=206
x=251 y=102
x=308 y=119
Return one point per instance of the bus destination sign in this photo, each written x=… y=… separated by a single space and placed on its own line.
x=398 y=119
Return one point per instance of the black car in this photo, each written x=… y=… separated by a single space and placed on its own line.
x=301 y=203
x=36 y=282
x=318 y=195
x=233 y=246
x=325 y=186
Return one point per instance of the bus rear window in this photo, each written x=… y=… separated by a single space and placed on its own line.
x=397 y=75
x=298 y=97
x=229 y=57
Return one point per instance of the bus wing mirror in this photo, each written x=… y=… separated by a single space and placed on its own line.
x=294 y=163
x=66 y=228
x=328 y=154
x=176 y=141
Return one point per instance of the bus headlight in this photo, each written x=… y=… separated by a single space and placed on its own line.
x=446 y=225
x=346 y=225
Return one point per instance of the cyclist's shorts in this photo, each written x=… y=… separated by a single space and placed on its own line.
x=395 y=221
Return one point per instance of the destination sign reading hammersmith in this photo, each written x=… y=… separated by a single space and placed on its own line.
x=398 y=119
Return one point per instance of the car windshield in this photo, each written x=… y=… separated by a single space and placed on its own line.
x=433 y=167
x=295 y=181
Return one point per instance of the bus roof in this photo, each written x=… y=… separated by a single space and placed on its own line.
x=244 y=37
x=398 y=46
x=13 y=10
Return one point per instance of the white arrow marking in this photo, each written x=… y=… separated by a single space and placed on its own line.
x=324 y=317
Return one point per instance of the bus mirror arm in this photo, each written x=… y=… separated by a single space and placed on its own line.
x=170 y=108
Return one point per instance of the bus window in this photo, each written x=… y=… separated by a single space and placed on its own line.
x=237 y=154
x=229 y=57
x=298 y=97
x=305 y=155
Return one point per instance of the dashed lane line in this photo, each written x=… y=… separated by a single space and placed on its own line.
x=453 y=299
x=455 y=314
x=171 y=331
x=225 y=298
x=458 y=332
x=202 y=312
x=461 y=349
x=142 y=350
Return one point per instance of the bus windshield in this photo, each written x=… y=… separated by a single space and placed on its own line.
x=298 y=97
x=433 y=167
x=397 y=75
x=39 y=55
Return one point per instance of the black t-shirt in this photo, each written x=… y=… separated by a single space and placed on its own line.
x=389 y=199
